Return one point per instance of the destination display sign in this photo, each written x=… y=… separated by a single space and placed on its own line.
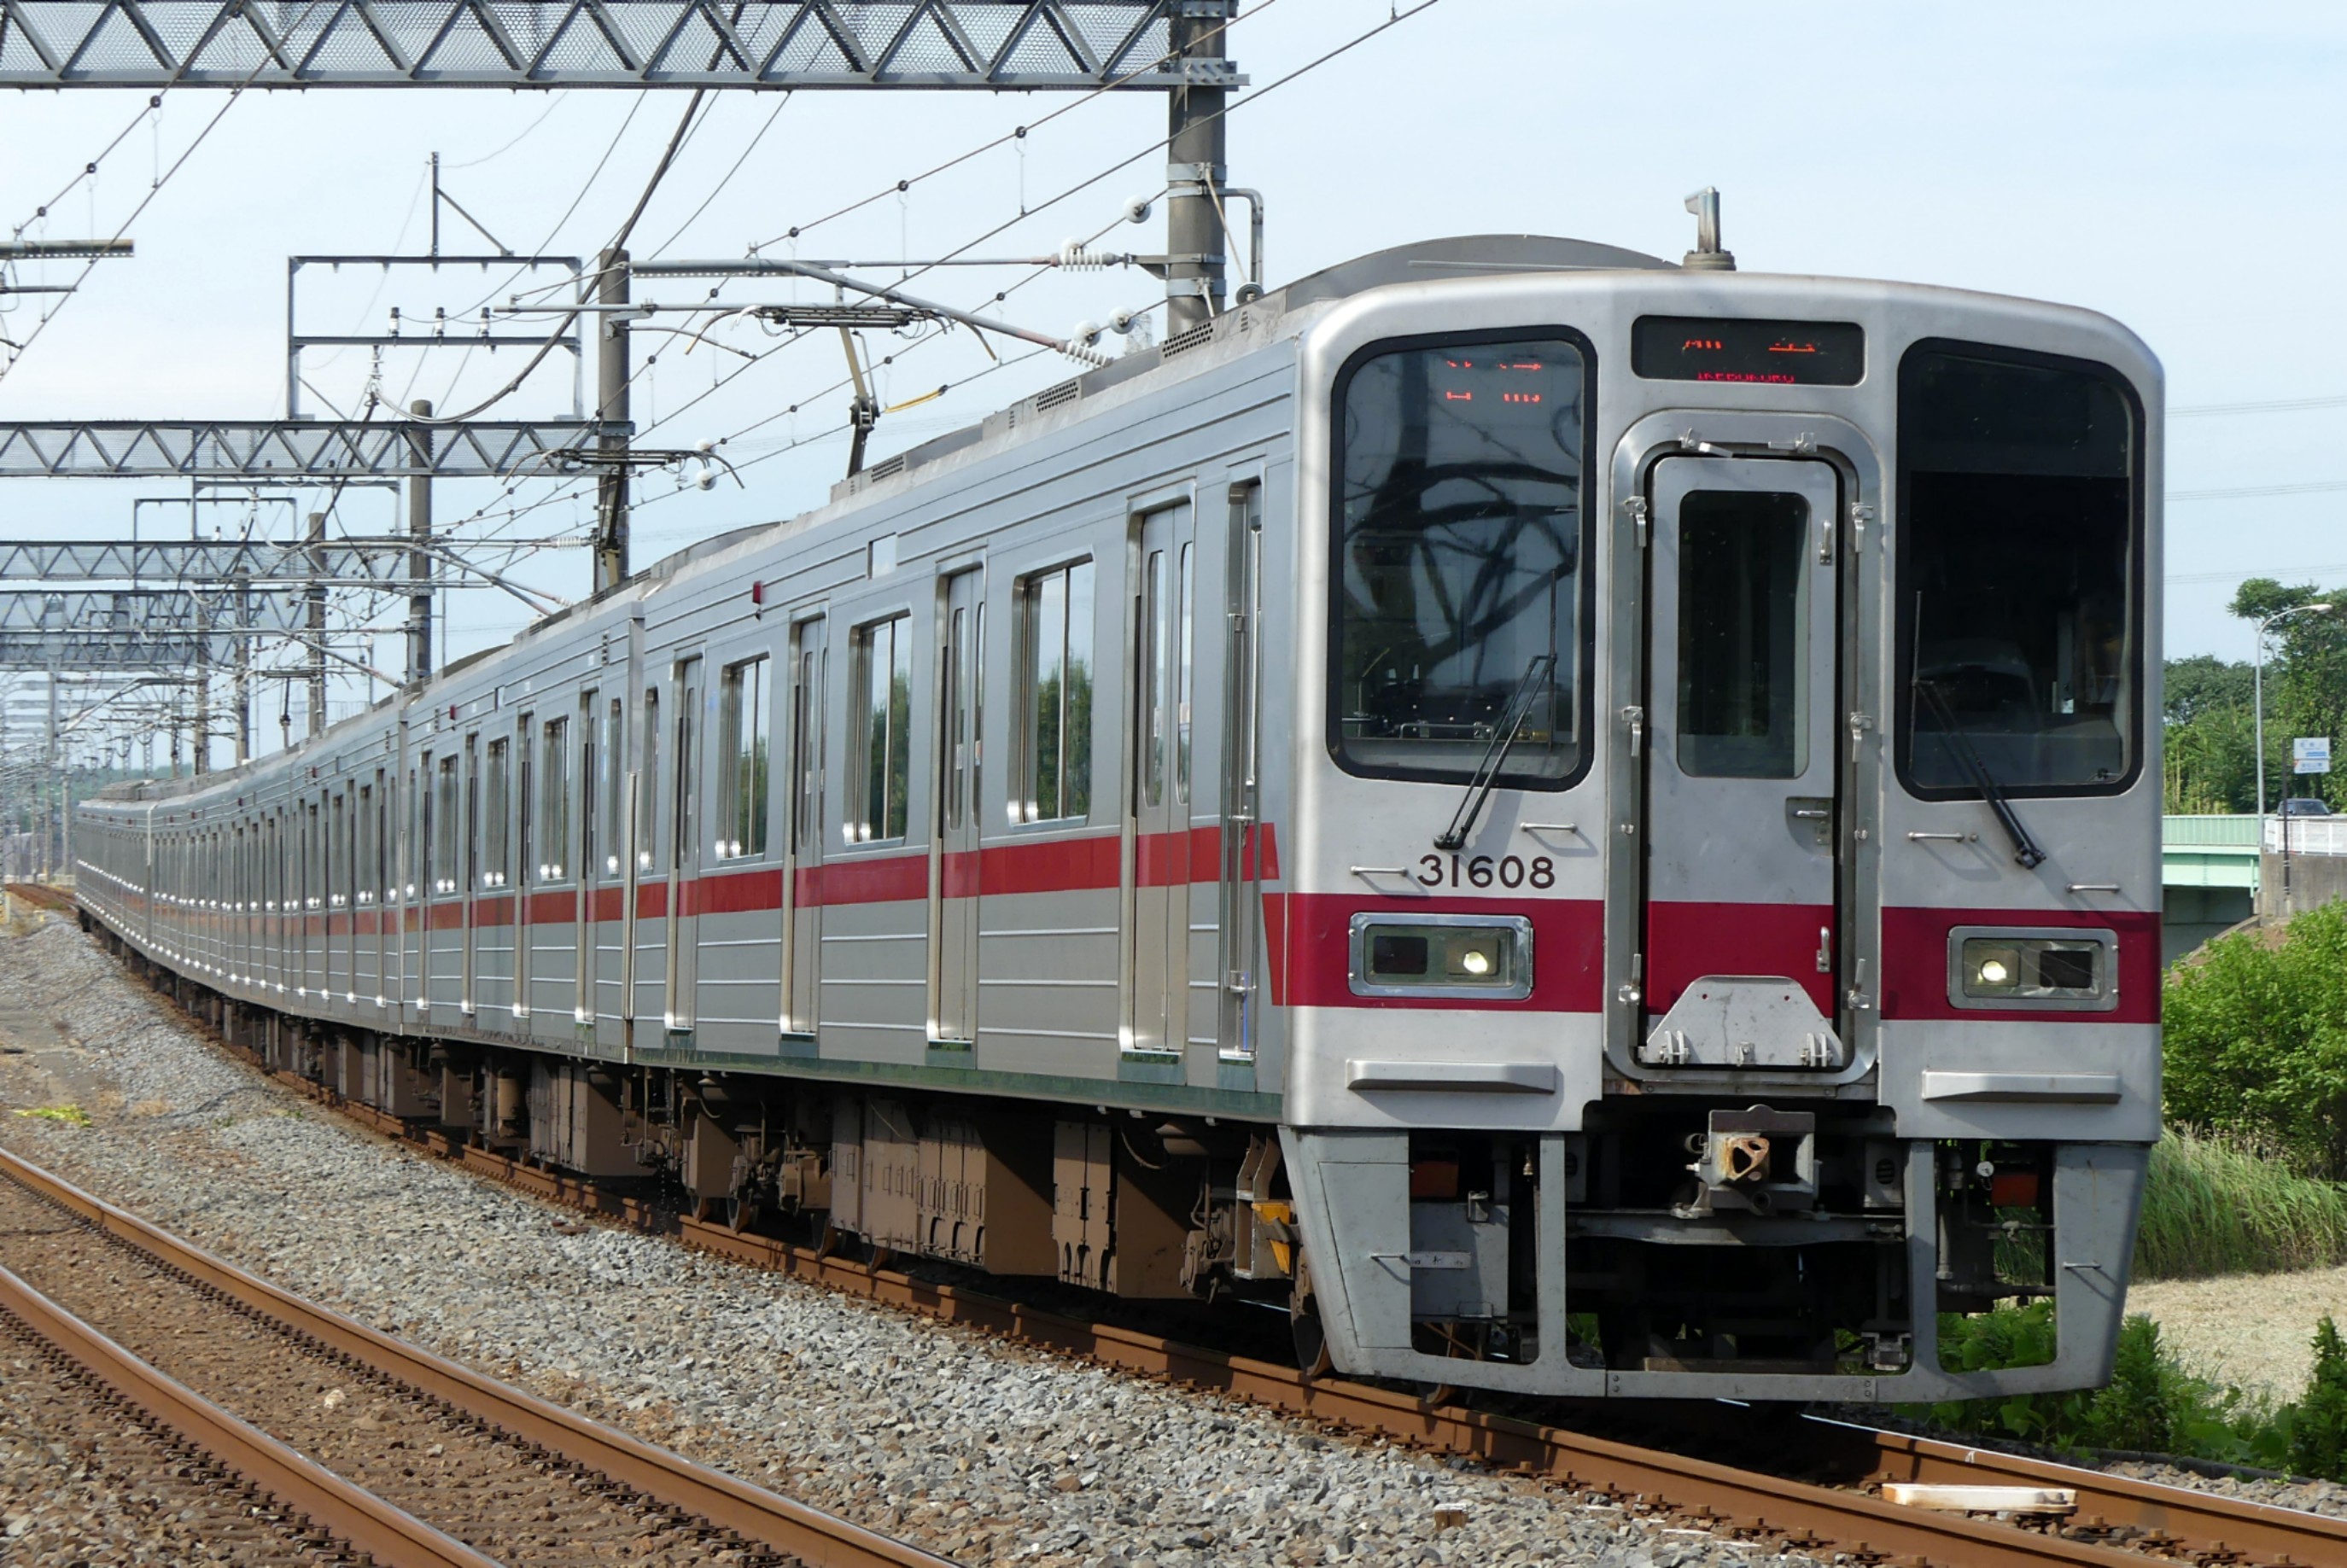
x=1787 y=353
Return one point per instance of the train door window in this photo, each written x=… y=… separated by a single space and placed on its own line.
x=1185 y=665
x=884 y=706
x=741 y=797
x=615 y=786
x=1055 y=758
x=648 y=806
x=368 y=845
x=427 y=835
x=494 y=823
x=471 y=875
x=590 y=782
x=685 y=851
x=382 y=834
x=554 y=807
x=1459 y=607
x=2020 y=567
x=953 y=702
x=525 y=810
x=1741 y=611
x=1156 y=653
x=806 y=738
x=444 y=864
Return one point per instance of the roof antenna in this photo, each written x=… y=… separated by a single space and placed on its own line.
x=1707 y=256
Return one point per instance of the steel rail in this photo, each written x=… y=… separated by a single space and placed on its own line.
x=809 y=1534
x=393 y=1537
x=2175 y=1520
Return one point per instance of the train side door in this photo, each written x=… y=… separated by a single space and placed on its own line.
x=1161 y=873
x=802 y=867
x=684 y=850
x=1740 y=766
x=954 y=879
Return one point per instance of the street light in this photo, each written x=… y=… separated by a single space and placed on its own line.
x=2258 y=682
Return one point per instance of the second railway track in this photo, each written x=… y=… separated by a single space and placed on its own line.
x=393 y=1452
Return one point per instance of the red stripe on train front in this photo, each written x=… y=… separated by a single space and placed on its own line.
x=1686 y=941
x=1915 y=962
x=1310 y=938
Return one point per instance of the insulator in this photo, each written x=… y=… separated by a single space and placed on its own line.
x=1075 y=257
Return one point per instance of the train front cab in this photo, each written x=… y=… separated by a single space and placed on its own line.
x=1723 y=930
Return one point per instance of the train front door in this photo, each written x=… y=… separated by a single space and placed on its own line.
x=954 y=873
x=1740 y=765
x=1162 y=874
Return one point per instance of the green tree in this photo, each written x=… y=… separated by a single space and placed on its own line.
x=2210 y=746
x=2306 y=681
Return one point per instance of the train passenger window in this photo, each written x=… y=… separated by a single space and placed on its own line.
x=1458 y=602
x=1055 y=753
x=1742 y=631
x=494 y=812
x=742 y=791
x=554 y=809
x=884 y=709
x=2019 y=572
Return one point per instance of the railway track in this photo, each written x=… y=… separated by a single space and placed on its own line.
x=2119 y=1522
x=327 y=1440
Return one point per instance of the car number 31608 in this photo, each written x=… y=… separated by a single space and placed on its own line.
x=1511 y=871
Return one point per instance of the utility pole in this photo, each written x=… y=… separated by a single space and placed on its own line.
x=1195 y=171
x=611 y=404
x=203 y=729
x=317 y=615
x=419 y=557
x=46 y=841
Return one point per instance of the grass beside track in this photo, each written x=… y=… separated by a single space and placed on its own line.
x=2217 y=1204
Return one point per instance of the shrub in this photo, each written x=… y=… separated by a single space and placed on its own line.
x=2318 y=1435
x=2229 y=1204
x=2152 y=1404
x=2256 y=1040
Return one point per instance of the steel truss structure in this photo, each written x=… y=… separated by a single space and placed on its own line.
x=997 y=45
x=110 y=650
x=282 y=448
x=153 y=611
x=342 y=564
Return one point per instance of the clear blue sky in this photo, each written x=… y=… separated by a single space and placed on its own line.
x=2177 y=166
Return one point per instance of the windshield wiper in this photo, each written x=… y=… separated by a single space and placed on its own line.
x=1487 y=773
x=2024 y=848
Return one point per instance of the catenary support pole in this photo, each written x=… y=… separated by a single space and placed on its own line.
x=419 y=559
x=1194 y=172
x=317 y=615
x=611 y=404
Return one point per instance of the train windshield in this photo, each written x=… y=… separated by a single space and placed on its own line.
x=2020 y=567
x=1457 y=578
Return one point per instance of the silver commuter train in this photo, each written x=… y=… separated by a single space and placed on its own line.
x=1586 y=826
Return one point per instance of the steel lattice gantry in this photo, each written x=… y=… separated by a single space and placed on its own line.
x=793 y=44
x=110 y=650
x=151 y=611
x=342 y=564
x=319 y=449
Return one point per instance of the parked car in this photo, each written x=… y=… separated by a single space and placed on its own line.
x=2304 y=805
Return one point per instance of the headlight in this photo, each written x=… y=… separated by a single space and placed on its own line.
x=1441 y=956
x=2074 y=969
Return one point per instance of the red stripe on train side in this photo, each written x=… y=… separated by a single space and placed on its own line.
x=1916 y=963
